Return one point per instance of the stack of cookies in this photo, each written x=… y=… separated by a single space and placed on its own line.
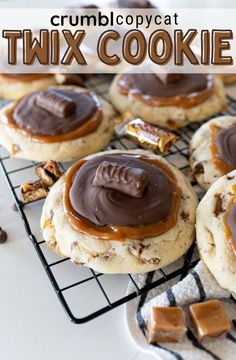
x=129 y=211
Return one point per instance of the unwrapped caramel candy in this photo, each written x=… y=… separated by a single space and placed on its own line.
x=209 y=319
x=167 y=325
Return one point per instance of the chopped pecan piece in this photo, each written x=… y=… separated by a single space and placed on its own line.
x=33 y=191
x=48 y=172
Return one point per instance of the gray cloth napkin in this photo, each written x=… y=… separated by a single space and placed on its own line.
x=197 y=286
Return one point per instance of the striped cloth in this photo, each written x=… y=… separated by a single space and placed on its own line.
x=198 y=285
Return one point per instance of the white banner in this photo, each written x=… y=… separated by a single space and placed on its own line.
x=117 y=40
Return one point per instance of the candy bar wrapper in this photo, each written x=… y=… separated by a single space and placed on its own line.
x=198 y=285
x=146 y=135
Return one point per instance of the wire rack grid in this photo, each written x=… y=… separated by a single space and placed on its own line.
x=72 y=283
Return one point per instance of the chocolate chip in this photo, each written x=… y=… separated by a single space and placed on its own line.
x=234 y=323
x=185 y=216
x=198 y=169
x=219 y=205
x=3 y=236
x=230 y=177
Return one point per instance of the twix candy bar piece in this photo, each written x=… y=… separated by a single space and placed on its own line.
x=146 y=135
x=48 y=172
x=128 y=180
x=33 y=191
x=56 y=103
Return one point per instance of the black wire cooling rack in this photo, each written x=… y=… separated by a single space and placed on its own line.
x=84 y=293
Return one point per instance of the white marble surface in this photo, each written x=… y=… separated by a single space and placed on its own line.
x=33 y=324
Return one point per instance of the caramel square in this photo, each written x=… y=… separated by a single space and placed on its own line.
x=167 y=325
x=209 y=319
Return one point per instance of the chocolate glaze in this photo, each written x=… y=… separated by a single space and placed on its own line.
x=35 y=120
x=152 y=86
x=226 y=144
x=104 y=207
x=231 y=222
x=135 y=4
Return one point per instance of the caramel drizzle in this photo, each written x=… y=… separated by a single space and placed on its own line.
x=121 y=233
x=89 y=127
x=228 y=233
x=218 y=163
x=183 y=101
x=25 y=77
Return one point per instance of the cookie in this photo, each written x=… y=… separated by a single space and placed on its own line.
x=61 y=124
x=212 y=150
x=216 y=235
x=168 y=100
x=89 y=217
x=14 y=86
x=229 y=78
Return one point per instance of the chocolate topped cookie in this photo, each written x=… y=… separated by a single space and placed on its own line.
x=212 y=150
x=122 y=211
x=14 y=86
x=60 y=123
x=216 y=230
x=168 y=100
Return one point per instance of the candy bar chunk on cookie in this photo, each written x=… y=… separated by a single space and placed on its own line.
x=61 y=123
x=120 y=212
x=216 y=230
x=212 y=150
